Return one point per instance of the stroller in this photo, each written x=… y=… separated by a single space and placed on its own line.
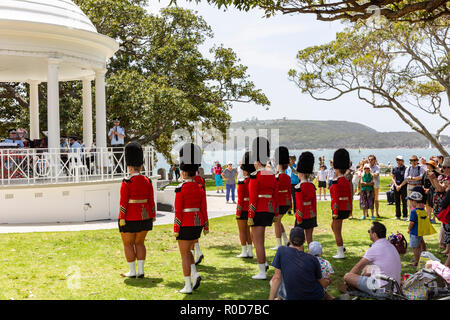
x=423 y=285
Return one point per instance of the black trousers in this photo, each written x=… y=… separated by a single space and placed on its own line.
x=294 y=202
x=400 y=197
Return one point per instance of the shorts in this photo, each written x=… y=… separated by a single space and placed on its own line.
x=218 y=179
x=244 y=216
x=367 y=285
x=283 y=209
x=136 y=226
x=322 y=184
x=414 y=241
x=189 y=233
x=307 y=223
x=263 y=219
x=376 y=184
x=343 y=214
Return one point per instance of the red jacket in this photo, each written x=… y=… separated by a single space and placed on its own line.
x=263 y=193
x=305 y=197
x=284 y=190
x=200 y=180
x=190 y=206
x=136 y=199
x=341 y=196
x=242 y=196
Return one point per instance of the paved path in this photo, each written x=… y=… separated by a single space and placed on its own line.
x=217 y=207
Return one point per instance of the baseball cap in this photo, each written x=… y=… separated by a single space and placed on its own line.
x=297 y=236
x=399 y=158
x=315 y=248
x=415 y=195
x=229 y=162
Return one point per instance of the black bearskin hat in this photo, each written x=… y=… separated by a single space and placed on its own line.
x=341 y=159
x=281 y=155
x=305 y=163
x=247 y=165
x=260 y=150
x=134 y=156
x=190 y=157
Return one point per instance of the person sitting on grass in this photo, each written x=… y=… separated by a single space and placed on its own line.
x=381 y=258
x=419 y=223
x=366 y=200
x=315 y=249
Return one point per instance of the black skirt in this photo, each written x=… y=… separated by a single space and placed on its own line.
x=136 y=226
x=263 y=219
x=283 y=209
x=322 y=184
x=189 y=233
x=307 y=223
x=244 y=216
x=343 y=214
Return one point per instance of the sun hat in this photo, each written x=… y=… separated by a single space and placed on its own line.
x=367 y=166
x=315 y=248
x=431 y=163
x=415 y=195
x=399 y=158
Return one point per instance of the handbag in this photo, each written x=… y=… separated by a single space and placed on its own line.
x=444 y=215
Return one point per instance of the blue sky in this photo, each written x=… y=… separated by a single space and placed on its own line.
x=268 y=47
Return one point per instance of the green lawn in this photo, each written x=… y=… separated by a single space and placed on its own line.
x=86 y=265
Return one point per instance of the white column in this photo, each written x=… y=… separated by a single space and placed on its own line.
x=34 y=110
x=100 y=109
x=87 y=113
x=53 y=104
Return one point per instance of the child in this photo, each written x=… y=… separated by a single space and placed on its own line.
x=419 y=224
x=315 y=249
x=322 y=181
x=366 y=199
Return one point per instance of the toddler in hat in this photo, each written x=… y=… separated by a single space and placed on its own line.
x=315 y=249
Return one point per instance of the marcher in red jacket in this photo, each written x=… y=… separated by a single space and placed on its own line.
x=137 y=210
x=263 y=196
x=341 y=198
x=306 y=214
x=242 y=208
x=191 y=215
x=284 y=194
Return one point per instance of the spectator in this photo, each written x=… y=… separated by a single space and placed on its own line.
x=291 y=171
x=74 y=145
x=419 y=225
x=445 y=229
x=413 y=175
x=331 y=175
x=240 y=171
x=22 y=134
x=176 y=169
x=315 y=248
x=13 y=138
x=423 y=163
x=356 y=180
x=440 y=162
x=428 y=187
x=230 y=174
x=367 y=193
x=400 y=188
x=375 y=170
x=322 y=182
x=217 y=171
x=381 y=258
x=300 y=272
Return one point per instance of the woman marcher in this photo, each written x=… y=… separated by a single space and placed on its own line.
x=191 y=216
x=341 y=199
x=305 y=193
x=284 y=194
x=366 y=200
x=137 y=210
x=263 y=195
x=322 y=182
x=242 y=207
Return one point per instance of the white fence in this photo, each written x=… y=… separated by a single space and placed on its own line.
x=49 y=166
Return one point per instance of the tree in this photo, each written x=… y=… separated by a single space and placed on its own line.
x=403 y=67
x=394 y=10
x=158 y=81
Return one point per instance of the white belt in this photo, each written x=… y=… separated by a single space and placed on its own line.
x=343 y=198
x=264 y=196
x=246 y=199
x=138 y=201
x=191 y=210
x=283 y=190
x=307 y=203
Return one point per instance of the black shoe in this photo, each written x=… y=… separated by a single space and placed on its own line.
x=140 y=276
x=199 y=260
x=197 y=283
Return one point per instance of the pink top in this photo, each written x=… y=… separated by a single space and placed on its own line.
x=441 y=270
x=385 y=256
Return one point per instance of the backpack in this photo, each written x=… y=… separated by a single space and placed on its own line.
x=399 y=242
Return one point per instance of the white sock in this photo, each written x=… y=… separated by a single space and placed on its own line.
x=197 y=249
x=262 y=268
x=187 y=284
x=132 y=266
x=279 y=242
x=250 y=250
x=244 y=250
x=141 y=266
x=285 y=238
x=193 y=270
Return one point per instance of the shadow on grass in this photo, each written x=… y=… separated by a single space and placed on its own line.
x=143 y=283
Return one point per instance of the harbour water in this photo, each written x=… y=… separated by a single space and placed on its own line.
x=384 y=156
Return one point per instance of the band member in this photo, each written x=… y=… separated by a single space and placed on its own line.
x=191 y=216
x=195 y=250
x=137 y=210
x=341 y=198
x=242 y=207
x=306 y=215
x=263 y=196
x=284 y=193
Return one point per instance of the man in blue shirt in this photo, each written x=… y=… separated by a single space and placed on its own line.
x=292 y=173
x=117 y=136
x=13 y=138
x=298 y=272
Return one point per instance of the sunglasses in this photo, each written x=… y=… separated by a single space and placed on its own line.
x=413 y=160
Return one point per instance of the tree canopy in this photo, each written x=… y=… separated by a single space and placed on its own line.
x=393 y=10
x=402 y=67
